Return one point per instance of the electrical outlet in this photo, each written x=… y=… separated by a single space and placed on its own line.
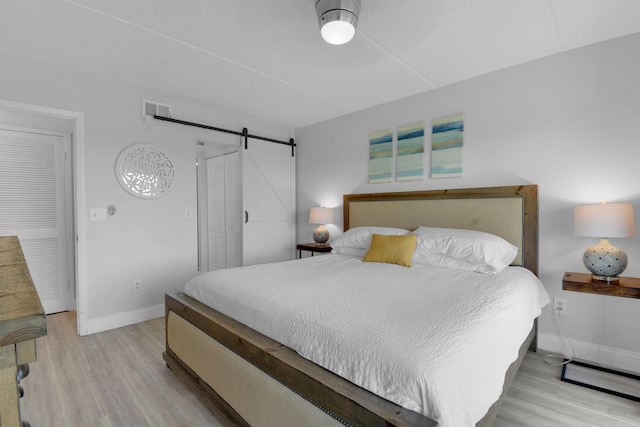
x=560 y=306
x=136 y=286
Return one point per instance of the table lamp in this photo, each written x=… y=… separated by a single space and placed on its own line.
x=321 y=216
x=604 y=220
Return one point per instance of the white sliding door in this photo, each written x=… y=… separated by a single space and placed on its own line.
x=268 y=198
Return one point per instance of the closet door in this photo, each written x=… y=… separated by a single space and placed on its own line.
x=224 y=211
x=35 y=205
x=216 y=213
x=268 y=198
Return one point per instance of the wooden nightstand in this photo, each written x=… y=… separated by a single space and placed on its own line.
x=628 y=287
x=312 y=247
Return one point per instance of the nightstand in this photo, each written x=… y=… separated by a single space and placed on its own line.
x=628 y=287
x=312 y=247
x=618 y=383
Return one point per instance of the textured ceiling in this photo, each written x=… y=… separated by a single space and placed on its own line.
x=267 y=57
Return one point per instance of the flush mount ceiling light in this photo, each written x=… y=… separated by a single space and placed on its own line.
x=337 y=19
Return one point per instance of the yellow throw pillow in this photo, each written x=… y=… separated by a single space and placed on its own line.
x=391 y=249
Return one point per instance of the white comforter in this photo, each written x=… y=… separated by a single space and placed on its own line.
x=434 y=340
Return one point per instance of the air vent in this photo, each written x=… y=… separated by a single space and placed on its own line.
x=152 y=108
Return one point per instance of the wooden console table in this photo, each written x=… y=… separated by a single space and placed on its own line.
x=22 y=320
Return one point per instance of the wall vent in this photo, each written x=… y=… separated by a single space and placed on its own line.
x=152 y=108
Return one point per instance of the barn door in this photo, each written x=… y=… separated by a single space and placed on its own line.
x=268 y=200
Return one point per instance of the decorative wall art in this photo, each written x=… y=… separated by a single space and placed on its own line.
x=145 y=171
x=446 y=146
x=410 y=151
x=381 y=156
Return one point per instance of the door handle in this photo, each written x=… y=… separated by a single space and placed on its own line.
x=246 y=217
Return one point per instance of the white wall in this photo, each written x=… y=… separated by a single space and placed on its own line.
x=149 y=240
x=568 y=123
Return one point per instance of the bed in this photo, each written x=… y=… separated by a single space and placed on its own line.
x=248 y=376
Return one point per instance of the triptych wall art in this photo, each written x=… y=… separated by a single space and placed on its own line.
x=409 y=149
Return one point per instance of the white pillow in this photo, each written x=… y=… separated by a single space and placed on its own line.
x=438 y=260
x=346 y=250
x=463 y=249
x=360 y=237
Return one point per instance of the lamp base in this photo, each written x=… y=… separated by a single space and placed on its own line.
x=605 y=261
x=320 y=235
x=605 y=278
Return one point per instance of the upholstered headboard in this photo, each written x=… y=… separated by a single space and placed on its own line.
x=508 y=212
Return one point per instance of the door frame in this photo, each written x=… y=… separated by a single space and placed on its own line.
x=79 y=218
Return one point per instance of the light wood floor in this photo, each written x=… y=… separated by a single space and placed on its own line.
x=118 y=379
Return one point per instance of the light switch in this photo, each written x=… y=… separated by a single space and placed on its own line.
x=97 y=214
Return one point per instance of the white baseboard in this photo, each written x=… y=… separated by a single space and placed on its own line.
x=119 y=320
x=588 y=352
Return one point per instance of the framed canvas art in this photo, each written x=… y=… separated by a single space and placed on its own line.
x=410 y=160
x=381 y=156
x=446 y=146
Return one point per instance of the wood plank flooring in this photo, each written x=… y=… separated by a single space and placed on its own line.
x=119 y=379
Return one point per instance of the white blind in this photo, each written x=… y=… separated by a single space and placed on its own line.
x=41 y=256
x=29 y=207
x=27 y=182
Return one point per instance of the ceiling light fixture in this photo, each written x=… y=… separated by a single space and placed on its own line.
x=337 y=19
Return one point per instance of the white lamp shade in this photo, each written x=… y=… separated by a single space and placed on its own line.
x=337 y=32
x=605 y=220
x=321 y=215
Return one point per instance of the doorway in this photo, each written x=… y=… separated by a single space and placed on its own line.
x=70 y=122
x=257 y=222
x=213 y=211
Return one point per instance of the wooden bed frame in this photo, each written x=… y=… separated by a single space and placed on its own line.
x=249 y=379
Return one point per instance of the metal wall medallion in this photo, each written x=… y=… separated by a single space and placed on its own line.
x=145 y=172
